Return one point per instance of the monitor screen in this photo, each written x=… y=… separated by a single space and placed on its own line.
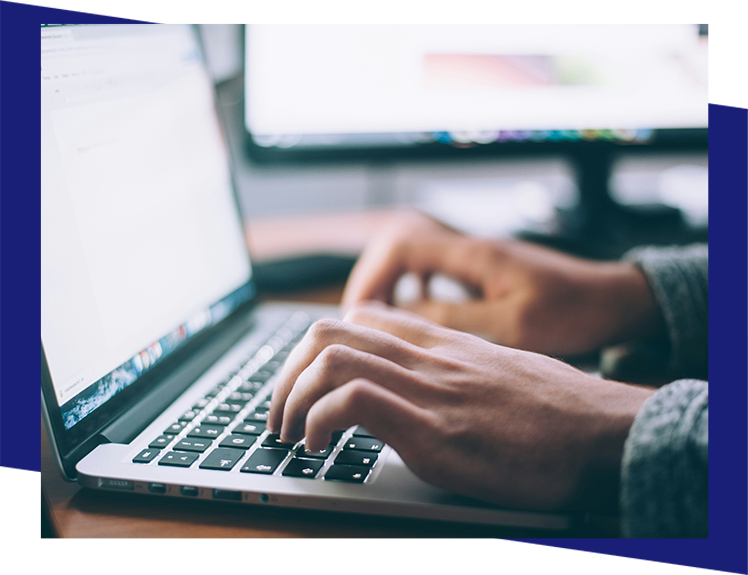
x=141 y=243
x=408 y=85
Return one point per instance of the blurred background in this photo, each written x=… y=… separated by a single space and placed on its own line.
x=591 y=139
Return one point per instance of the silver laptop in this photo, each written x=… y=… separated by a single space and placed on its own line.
x=157 y=363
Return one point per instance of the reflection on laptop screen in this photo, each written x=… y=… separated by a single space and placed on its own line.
x=141 y=245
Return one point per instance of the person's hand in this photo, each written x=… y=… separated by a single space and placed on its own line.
x=507 y=426
x=527 y=296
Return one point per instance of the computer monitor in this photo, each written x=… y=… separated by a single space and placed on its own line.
x=329 y=92
x=366 y=91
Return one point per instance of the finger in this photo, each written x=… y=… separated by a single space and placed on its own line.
x=335 y=366
x=378 y=269
x=328 y=332
x=493 y=320
x=402 y=324
x=390 y=417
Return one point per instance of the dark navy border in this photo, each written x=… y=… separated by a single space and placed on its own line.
x=728 y=130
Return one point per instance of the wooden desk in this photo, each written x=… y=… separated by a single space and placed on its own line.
x=88 y=513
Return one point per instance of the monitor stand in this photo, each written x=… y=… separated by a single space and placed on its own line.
x=601 y=228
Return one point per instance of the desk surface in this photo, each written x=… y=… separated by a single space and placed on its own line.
x=81 y=512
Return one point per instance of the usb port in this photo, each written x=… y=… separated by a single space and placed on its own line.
x=227 y=495
x=157 y=488
x=189 y=491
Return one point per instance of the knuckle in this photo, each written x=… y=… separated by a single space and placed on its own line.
x=333 y=357
x=357 y=396
x=323 y=330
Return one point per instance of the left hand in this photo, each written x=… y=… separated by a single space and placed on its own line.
x=507 y=426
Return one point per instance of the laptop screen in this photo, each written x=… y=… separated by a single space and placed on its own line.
x=141 y=243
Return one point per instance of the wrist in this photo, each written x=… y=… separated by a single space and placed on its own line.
x=630 y=304
x=618 y=405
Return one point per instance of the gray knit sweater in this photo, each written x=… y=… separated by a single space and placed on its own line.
x=664 y=471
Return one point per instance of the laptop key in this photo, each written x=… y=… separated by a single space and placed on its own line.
x=161 y=441
x=238 y=441
x=222 y=459
x=213 y=419
x=250 y=428
x=302 y=452
x=228 y=409
x=303 y=468
x=264 y=461
x=353 y=457
x=193 y=444
x=350 y=473
x=250 y=386
x=273 y=440
x=146 y=456
x=259 y=414
x=175 y=428
x=178 y=459
x=189 y=416
x=201 y=403
x=240 y=397
x=208 y=431
x=364 y=443
x=361 y=431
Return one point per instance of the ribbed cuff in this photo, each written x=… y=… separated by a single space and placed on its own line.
x=664 y=472
x=679 y=278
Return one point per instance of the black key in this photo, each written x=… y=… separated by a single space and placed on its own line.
x=228 y=409
x=238 y=441
x=240 y=396
x=265 y=404
x=201 y=403
x=214 y=419
x=302 y=452
x=362 y=432
x=303 y=468
x=364 y=443
x=273 y=440
x=262 y=376
x=250 y=386
x=273 y=365
x=146 y=456
x=222 y=459
x=197 y=444
x=259 y=414
x=250 y=428
x=336 y=435
x=215 y=391
x=189 y=416
x=161 y=441
x=353 y=457
x=351 y=473
x=264 y=461
x=178 y=459
x=209 y=431
x=175 y=428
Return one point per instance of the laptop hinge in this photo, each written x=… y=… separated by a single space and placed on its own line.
x=127 y=427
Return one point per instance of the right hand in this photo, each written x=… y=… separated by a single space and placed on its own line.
x=528 y=297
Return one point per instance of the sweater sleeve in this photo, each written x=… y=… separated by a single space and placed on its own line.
x=679 y=278
x=664 y=472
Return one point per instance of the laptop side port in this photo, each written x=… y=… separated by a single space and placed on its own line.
x=159 y=488
x=189 y=491
x=227 y=495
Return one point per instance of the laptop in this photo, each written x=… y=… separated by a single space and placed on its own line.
x=157 y=360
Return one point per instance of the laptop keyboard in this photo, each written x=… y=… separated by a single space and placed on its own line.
x=221 y=433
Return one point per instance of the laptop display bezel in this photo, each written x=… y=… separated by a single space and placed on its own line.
x=71 y=445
